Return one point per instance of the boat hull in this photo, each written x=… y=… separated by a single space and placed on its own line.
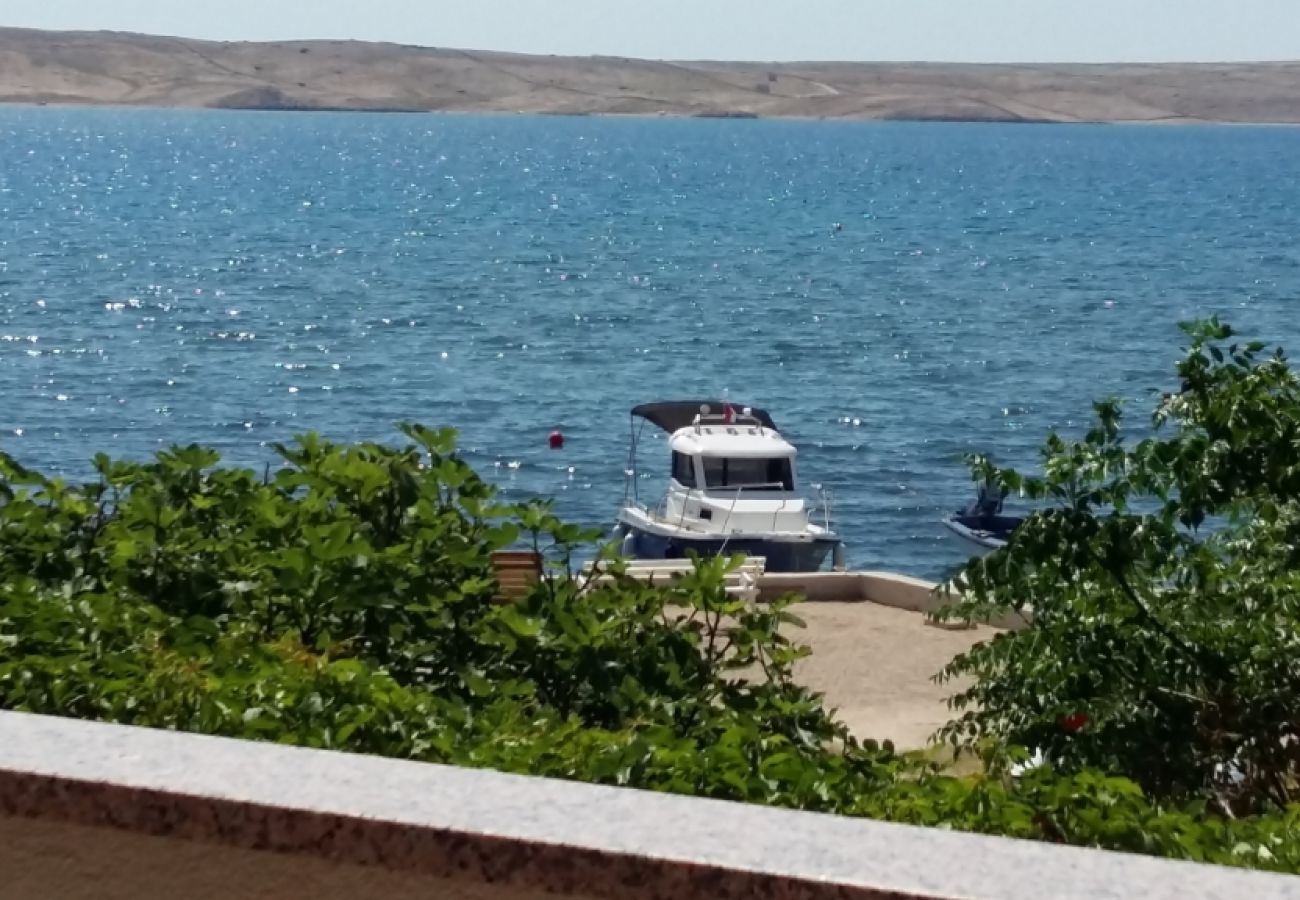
x=780 y=556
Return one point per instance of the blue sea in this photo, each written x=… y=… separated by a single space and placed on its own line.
x=897 y=295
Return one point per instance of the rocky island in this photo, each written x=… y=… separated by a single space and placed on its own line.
x=107 y=68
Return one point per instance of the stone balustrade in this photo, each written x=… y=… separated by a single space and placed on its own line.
x=110 y=812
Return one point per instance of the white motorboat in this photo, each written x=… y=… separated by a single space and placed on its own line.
x=732 y=489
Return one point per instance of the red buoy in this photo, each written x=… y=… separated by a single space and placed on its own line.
x=556 y=440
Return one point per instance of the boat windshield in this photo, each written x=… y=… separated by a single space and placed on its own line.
x=774 y=474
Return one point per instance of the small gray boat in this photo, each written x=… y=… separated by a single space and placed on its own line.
x=982 y=524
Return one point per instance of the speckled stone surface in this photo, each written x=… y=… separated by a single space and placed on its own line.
x=539 y=836
x=41 y=860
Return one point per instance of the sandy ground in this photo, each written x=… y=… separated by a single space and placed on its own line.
x=875 y=663
x=124 y=69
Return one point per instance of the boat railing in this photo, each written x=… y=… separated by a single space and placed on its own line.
x=681 y=517
x=776 y=513
x=737 y=420
x=826 y=497
x=660 y=512
x=740 y=489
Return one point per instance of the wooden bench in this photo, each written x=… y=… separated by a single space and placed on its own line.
x=741 y=582
x=517 y=572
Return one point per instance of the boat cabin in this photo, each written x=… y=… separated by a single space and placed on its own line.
x=740 y=455
x=732 y=473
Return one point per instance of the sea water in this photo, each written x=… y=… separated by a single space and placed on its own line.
x=896 y=295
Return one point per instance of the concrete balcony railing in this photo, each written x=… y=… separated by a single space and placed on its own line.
x=881 y=588
x=114 y=813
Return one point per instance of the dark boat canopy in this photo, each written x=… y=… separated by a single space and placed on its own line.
x=670 y=415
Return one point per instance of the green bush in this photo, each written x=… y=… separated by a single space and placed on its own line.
x=348 y=601
x=1164 y=578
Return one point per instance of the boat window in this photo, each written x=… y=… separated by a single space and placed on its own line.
x=684 y=469
x=770 y=474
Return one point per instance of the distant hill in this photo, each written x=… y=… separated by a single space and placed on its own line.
x=105 y=68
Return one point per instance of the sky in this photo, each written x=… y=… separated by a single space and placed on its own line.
x=855 y=30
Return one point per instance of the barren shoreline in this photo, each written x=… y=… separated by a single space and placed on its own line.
x=113 y=69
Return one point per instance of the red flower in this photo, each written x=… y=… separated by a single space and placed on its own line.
x=1074 y=722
